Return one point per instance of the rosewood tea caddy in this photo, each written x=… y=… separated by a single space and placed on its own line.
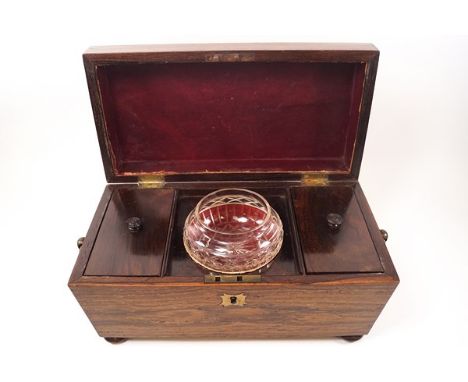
x=287 y=121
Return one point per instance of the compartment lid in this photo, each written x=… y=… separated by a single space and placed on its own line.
x=237 y=108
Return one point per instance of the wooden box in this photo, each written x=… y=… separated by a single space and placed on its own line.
x=286 y=120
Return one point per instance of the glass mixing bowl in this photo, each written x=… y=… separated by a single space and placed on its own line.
x=233 y=231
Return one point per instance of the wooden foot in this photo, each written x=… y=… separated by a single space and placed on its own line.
x=115 y=340
x=351 y=338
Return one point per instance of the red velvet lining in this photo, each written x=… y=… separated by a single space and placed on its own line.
x=233 y=117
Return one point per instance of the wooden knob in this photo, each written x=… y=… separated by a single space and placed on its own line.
x=334 y=221
x=134 y=224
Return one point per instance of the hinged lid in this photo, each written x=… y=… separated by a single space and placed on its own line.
x=223 y=109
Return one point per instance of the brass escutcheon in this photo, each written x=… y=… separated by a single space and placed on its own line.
x=233 y=299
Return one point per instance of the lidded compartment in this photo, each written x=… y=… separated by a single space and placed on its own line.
x=238 y=113
x=348 y=248
x=121 y=249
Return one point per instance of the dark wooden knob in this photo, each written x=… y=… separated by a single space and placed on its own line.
x=134 y=224
x=80 y=242
x=334 y=221
x=384 y=234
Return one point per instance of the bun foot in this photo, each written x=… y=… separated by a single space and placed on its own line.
x=115 y=340
x=351 y=338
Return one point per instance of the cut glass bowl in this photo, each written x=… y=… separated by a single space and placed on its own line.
x=233 y=231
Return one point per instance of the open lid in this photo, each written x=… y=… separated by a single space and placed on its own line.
x=236 y=108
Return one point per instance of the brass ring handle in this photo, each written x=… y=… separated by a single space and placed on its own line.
x=384 y=234
x=80 y=242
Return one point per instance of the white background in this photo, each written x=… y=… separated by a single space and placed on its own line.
x=414 y=173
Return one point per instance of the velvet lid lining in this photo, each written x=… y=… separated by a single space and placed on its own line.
x=231 y=117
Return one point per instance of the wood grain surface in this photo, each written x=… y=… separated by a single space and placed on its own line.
x=195 y=311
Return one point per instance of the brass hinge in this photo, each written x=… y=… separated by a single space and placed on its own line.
x=315 y=179
x=211 y=278
x=151 y=181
